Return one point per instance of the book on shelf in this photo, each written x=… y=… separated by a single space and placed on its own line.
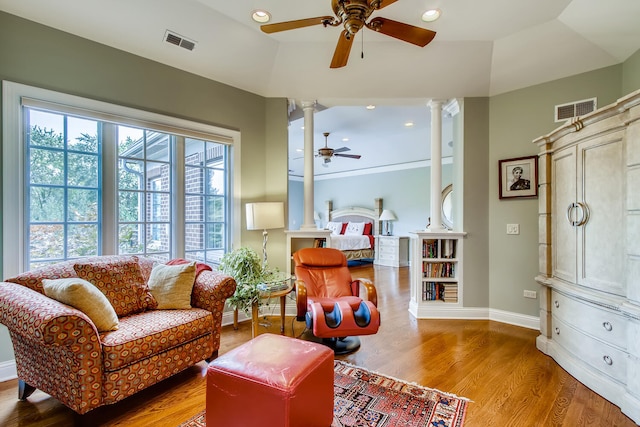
x=433 y=291
x=319 y=243
x=429 y=249
x=438 y=269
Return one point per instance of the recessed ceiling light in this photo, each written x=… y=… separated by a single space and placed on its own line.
x=371 y=107
x=261 y=16
x=345 y=139
x=431 y=15
x=408 y=124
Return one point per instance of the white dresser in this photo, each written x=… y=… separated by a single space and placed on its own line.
x=589 y=246
x=392 y=251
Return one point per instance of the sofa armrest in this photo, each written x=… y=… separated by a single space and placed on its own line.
x=45 y=321
x=211 y=289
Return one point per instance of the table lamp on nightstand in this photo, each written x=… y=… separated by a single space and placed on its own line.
x=263 y=216
x=387 y=216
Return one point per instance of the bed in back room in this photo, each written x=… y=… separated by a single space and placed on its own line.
x=353 y=229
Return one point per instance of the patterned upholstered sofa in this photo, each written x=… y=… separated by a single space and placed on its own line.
x=59 y=350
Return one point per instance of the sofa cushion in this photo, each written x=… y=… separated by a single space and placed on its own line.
x=80 y=294
x=121 y=281
x=171 y=285
x=150 y=333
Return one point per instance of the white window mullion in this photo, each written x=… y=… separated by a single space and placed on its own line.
x=109 y=189
x=178 y=195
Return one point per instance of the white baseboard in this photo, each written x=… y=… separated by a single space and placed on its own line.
x=8 y=370
x=475 y=313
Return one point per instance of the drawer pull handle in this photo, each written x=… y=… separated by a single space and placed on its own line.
x=607 y=326
x=557 y=331
x=556 y=303
x=608 y=360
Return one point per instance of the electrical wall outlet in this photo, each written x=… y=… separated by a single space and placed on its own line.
x=530 y=294
x=513 y=228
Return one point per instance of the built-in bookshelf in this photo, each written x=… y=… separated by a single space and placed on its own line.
x=298 y=239
x=436 y=273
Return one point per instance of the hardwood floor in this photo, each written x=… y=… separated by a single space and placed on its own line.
x=495 y=365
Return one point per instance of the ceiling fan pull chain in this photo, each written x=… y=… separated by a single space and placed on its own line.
x=362 y=48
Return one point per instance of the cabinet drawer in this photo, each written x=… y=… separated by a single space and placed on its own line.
x=598 y=322
x=603 y=357
x=388 y=249
x=389 y=255
x=388 y=243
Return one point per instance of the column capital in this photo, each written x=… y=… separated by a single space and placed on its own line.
x=436 y=103
x=308 y=104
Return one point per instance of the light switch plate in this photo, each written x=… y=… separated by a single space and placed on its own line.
x=513 y=228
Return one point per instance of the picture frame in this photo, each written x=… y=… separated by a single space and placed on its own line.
x=518 y=177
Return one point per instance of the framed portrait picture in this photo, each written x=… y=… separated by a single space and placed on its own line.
x=518 y=177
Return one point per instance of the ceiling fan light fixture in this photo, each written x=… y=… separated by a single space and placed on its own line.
x=431 y=15
x=261 y=16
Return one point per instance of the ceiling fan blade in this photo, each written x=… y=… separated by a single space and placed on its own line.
x=385 y=3
x=292 y=25
x=401 y=31
x=341 y=149
x=341 y=54
x=351 y=156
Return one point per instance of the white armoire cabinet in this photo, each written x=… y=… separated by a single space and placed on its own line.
x=589 y=229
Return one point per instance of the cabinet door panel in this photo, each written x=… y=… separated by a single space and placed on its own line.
x=563 y=233
x=602 y=239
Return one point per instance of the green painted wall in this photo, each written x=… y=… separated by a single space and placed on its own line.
x=475 y=183
x=631 y=73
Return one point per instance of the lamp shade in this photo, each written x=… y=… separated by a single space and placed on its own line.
x=265 y=215
x=387 y=215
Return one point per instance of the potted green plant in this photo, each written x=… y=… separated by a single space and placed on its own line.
x=244 y=265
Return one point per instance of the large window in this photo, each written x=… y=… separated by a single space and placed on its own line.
x=97 y=183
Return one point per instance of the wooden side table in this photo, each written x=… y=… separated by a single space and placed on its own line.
x=282 y=294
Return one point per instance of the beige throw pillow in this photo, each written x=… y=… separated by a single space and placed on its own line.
x=84 y=296
x=171 y=285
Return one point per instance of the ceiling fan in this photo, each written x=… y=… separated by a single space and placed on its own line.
x=353 y=14
x=327 y=153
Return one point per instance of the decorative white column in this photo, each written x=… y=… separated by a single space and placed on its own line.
x=436 y=165
x=308 y=222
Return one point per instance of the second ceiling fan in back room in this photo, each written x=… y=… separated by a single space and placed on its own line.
x=353 y=15
x=327 y=153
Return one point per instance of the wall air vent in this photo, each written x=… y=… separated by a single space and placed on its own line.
x=178 y=40
x=574 y=109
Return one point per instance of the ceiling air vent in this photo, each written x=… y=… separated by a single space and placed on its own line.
x=178 y=40
x=574 y=109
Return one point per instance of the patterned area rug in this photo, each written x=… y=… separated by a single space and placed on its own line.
x=364 y=398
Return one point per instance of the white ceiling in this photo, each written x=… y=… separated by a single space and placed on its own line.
x=482 y=48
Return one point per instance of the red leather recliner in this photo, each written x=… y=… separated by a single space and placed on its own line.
x=328 y=299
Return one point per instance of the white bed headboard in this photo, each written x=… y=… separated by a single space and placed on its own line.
x=356 y=214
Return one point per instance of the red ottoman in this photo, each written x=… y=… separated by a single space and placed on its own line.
x=271 y=381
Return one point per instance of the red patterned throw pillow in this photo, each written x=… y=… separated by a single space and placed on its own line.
x=122 y=283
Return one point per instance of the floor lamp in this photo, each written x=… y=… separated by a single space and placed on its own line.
x=264 y=216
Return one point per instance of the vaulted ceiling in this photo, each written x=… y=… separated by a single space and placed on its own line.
x=481 y=48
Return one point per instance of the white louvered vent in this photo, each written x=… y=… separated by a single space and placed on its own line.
x=178 y=40
x=574 y=109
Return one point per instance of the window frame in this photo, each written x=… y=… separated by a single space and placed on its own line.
x=14 y=170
